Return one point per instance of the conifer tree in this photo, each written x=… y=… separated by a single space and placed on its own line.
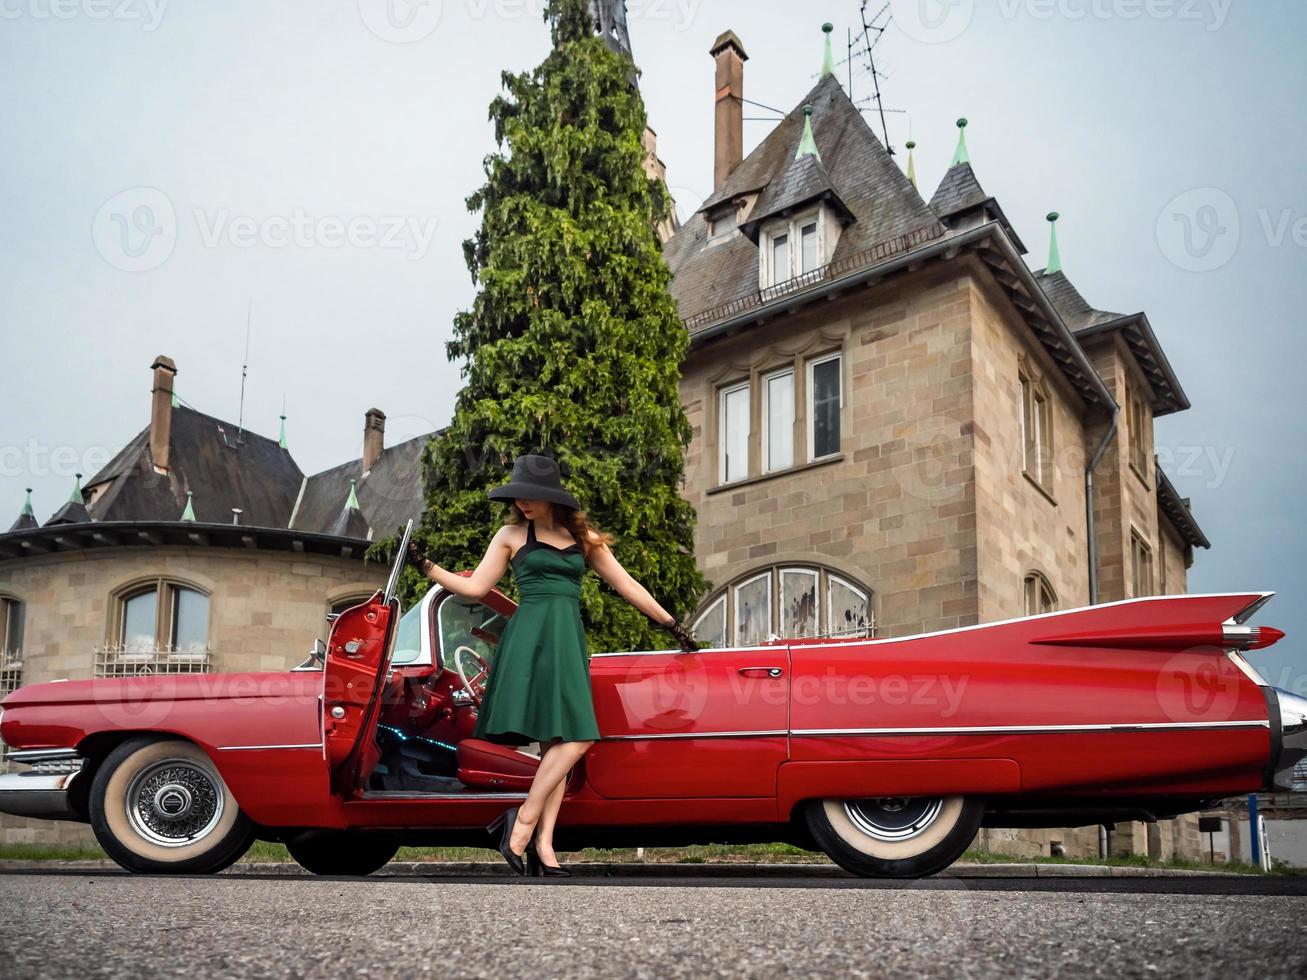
x=573 y=345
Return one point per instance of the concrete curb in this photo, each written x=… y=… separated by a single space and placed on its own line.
x=796 y=870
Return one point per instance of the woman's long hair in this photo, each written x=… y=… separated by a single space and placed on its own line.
x=574 y=520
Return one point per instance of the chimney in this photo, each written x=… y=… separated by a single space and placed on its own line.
x=729 y=131
x=374 y=437
x=161 y=411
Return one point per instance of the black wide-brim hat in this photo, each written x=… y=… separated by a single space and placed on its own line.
x=535 y=478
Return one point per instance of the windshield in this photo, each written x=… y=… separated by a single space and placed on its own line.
x=467 y=622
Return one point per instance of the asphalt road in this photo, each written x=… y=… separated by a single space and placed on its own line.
x=110 y=925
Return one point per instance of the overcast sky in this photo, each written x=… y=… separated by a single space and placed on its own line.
x=308 y=161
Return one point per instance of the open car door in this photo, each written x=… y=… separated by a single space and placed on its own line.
x=358 y=664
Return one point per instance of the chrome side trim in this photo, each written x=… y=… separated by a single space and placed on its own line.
x=246 y=748
x=33 y=756
x=44 y=796
x=1032 y=729
x=1248 y=669
x=752 y=734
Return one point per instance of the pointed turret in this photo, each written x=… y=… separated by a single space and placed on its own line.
x=188 y=512
x=351 y=523
x=912 y=163
x=807 y=143
x=960 y=201
x=282 y=440
x=26 y=518
x=74 y=511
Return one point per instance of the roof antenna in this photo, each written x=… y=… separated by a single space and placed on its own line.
x=240 y=420
x=878 y=28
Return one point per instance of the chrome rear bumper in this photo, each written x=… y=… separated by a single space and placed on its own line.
x=1292 y=740
x=41 y=792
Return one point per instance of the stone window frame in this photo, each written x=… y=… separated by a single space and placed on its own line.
x=1141 y=564
x=1037 y=582
x=819 y=344
x=826 y=575
x=11 y=660
x=112 y=658
x=1035 y=403
x=1136 y=429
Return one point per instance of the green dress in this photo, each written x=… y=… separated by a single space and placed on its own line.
x=539 y=683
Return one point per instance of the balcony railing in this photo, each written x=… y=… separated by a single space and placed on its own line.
x=119 y=660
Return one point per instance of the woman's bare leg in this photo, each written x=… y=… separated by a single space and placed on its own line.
x=554 y=767
x=545 y=825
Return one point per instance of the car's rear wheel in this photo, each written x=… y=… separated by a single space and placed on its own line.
x=895 y=837
x=342 y=852
x=159 y=806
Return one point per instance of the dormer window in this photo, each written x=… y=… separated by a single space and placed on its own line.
x=796 y=246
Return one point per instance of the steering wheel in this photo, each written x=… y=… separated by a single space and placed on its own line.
x=474 y=683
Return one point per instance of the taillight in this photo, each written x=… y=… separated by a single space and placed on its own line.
x=1251 y=637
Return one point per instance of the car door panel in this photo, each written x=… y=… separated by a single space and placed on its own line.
x=709 y=724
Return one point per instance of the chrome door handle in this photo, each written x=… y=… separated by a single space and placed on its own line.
x=754 y=671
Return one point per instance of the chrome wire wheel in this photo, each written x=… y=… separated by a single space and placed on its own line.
x=174 y=802
x=160 y=805
x=894 y=818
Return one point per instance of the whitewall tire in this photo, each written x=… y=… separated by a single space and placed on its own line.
x=894 y=837
x=159 y=806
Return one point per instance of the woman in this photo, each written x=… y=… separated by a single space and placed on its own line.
x=539 y=686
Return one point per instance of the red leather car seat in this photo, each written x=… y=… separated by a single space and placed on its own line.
x=491 y=766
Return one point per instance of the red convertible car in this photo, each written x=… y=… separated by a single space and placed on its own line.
x=886 y=754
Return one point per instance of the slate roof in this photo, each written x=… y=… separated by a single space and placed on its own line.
x=389 y=494
x=960 y=190
x=1087 y=322
x=804 y=181
x=959 y=195
x=205 y=456
x=708 y=275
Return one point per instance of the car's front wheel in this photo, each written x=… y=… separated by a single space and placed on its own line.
x=895 y=837
x=159 y=806
x=342 y=852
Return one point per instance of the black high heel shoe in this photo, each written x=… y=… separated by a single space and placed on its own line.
x=505 y=822
x=538 y=869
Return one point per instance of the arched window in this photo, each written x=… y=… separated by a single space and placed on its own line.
x=791 y=601
x=13 y=622
x=1039 y=595
x=157 y=626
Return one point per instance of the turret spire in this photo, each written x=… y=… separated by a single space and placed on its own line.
x=1054 y=258
x=188 y=513
x=808 y=144
x=352 y=502
x=912 y=165
x=961 y=155
x=282 y=440
x=828 y=63
x=27 y=518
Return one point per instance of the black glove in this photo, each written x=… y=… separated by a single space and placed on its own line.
x=683 y=636
x=417 y=559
